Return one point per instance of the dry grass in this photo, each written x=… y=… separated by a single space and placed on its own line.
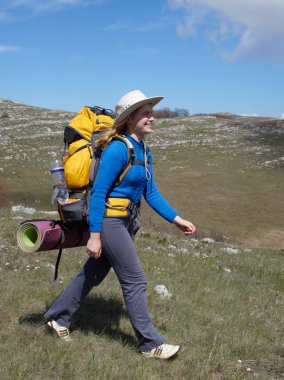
x=227 y=306
x=226 y=310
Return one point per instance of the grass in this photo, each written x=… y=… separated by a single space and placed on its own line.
x=226 y=308
x=226 y=174
x=230 y=175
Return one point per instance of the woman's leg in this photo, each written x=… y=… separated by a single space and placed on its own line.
x=92 y=274
x=119 y=249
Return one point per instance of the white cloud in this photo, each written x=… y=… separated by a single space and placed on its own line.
x=118 y=25
x=54 y=5
x=282 y=116
x=256 y=26
x=150 y=26
x=8 y=48
x=37 y=6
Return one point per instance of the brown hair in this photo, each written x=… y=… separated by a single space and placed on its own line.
x=107 y=136
x=116 y=130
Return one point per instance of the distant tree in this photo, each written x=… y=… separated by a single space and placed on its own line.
x=167 y=113
x=182 y=112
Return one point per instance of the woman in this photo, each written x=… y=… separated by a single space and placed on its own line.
x=113 y=223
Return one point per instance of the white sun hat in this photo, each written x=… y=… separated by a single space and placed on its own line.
x=130 y=102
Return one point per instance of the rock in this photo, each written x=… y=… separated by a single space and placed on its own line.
x=162 y=291
x=208 y=240
x=231 y=250
x=227 y=270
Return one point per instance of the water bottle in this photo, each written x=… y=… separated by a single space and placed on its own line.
x=59 y=182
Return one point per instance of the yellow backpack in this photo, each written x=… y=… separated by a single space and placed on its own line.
x=81 y=160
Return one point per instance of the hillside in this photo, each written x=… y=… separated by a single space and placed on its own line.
x=224 y=302
x=223 y=171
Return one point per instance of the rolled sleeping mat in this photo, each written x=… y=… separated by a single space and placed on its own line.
x=47 y=235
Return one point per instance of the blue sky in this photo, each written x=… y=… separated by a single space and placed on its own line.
x=202 y=55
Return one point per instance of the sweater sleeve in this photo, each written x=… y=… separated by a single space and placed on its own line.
x=155 y=199
x=112 y=163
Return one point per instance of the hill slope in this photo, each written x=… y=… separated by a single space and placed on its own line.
x=225 y=304
x=223 y=171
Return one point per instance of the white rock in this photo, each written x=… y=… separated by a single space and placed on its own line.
x=208 y=240
x=171 y=255
x=196 y=254
x=51 y=266
x=26 y=210
x=227 y=270
x=183 y=250
x=162 y=291
x=231 y=250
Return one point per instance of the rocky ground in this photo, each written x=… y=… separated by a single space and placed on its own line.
x=219 y=168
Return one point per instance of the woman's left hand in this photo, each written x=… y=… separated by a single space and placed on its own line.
x=184 y=225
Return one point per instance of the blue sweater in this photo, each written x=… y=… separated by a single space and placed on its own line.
x=133 y=186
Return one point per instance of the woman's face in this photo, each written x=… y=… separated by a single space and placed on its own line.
x=140 y=122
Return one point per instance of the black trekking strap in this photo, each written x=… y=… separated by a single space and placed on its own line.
x=57 y=264
x=52 y=225
x=63 y=228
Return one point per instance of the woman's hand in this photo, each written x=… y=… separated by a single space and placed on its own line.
x=184 y=225
x=94 y=245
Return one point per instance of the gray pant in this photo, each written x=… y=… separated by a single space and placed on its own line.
x=118 y=252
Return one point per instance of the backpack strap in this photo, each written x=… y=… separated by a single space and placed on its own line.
x=63 y=229
x=57 y=264
x=95 y=163
x=130 y=157
x=81 y=148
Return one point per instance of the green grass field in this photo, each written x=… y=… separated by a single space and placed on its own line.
x=226 y=310
x=227 y=304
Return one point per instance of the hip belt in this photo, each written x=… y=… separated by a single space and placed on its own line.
x=120 y=207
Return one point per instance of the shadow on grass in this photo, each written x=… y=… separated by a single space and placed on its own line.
x=97 y=314
x=102 y=316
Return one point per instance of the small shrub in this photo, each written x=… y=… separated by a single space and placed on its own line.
x=167 y=113
x=4 y=115
x=162 y=240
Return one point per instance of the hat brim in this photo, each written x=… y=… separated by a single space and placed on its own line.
x=154 y=100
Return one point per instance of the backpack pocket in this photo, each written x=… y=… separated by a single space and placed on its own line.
x=73 y=212
x=117 y=207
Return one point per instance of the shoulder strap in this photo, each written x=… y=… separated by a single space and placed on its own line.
x=96 y=158
x=130 y=157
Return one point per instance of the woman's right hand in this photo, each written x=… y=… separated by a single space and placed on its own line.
x=94 y=245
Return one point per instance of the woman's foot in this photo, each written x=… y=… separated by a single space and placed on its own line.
x=164 y=351
x=61 y=331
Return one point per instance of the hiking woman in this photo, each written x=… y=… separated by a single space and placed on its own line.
x=114 y=221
